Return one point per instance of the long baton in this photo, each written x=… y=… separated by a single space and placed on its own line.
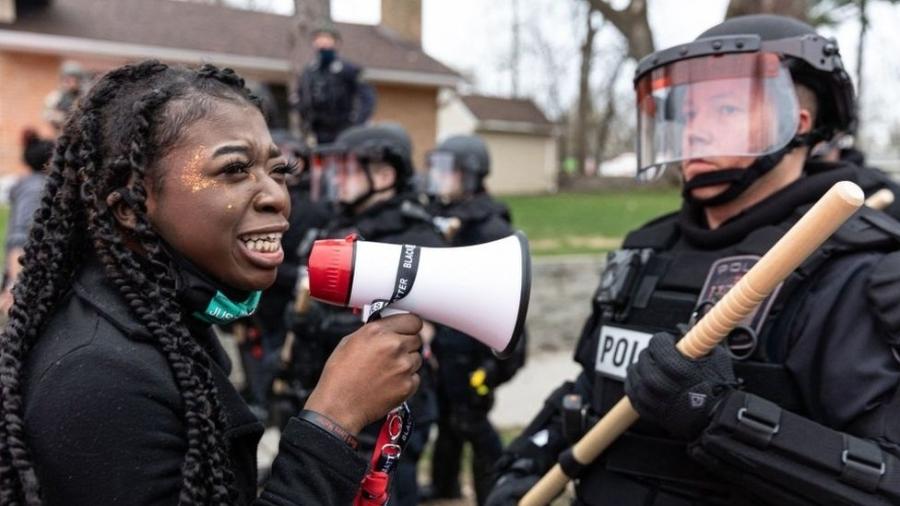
x=826 y=216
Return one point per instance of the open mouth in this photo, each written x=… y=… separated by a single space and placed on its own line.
x=262 y=243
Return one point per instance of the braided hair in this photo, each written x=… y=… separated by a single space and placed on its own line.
x=127 y=122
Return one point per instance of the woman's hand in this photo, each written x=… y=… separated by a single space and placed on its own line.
x=370 y=372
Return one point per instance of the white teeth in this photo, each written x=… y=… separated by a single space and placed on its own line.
x=266 y=243
x=275 y=237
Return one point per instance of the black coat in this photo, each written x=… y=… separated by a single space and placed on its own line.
x=105 y=419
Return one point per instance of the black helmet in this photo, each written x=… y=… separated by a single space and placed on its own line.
x=751 y=60
x=467 y=153
x=386 y=142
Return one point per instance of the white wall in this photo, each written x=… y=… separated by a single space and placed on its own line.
x=453 y=117
x=521 y=163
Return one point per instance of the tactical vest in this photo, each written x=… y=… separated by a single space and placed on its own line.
x=660 y=282
x=330 y=92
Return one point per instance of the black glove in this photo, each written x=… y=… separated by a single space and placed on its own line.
x=676 y=392
x=513 y=484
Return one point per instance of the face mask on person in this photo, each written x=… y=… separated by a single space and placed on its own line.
x=326 y=56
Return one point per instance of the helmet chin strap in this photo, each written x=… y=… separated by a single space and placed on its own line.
x=739 y=180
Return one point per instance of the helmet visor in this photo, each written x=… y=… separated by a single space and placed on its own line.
x=443 y=178
x=729 y=105
x=333 y=174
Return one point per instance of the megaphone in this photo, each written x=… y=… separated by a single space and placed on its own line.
x=480 y=290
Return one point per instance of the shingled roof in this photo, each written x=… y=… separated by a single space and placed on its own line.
x=519 y=110
x=495 y=113
x=209 y=32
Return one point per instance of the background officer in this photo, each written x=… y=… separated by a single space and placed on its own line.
x=368 y=173
x=468 y=372
x=331 y=95
x=791 y=410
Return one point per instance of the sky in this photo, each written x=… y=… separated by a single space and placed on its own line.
x=474 y=37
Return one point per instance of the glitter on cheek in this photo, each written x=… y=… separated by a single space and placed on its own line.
x=192 y=176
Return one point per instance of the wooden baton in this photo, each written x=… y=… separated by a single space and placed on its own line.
x=813 y=229
x=880 y=199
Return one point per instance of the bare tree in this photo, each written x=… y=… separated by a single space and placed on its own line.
x=584 y=90
x=632 y=23
x=516 y=47
x=608 y=117
x=799 y=9
x=308 y=14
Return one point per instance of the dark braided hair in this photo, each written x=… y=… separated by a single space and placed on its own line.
x=128 y=121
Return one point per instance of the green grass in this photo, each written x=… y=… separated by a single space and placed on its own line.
x=577 y=223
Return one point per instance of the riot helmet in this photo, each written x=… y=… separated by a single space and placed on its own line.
x=458 y=166
x=344 y=171
x=730 y=95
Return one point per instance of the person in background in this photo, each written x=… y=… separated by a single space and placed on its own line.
x=61 y=101
x=24 y=199
x=468 y=372
x=331 y=95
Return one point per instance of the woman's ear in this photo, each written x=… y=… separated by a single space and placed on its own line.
x=118 y=202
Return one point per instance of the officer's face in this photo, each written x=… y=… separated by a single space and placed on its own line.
x=222 y=201
x=718 y=113
x=324 y=41
x=351 y=181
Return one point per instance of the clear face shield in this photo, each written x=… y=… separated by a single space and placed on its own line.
x=444 y=179
x=713 y=107
x=322 y=185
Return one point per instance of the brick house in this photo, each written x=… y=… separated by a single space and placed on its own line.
x=37 y=35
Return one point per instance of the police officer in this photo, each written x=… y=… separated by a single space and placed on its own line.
x=871 y=180
x=468 y=371
x=61 y=101
x=368 y=172
x=800 y=406
x=331 y=95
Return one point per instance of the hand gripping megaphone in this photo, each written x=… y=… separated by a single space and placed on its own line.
x=480 y=290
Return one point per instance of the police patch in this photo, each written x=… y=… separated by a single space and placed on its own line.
x=724 y=274
x=617 y=348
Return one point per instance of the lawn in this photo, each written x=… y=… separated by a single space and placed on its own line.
x=567 y=223
x=573 y=223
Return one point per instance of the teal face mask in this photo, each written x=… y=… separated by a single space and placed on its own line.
x=222 y=310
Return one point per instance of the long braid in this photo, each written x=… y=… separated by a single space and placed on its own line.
x=103 y=149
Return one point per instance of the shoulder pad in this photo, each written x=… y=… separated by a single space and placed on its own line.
x=656 y=234
x=883 y=292
x=868 y=229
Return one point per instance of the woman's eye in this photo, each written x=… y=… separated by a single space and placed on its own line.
x=285 y=168
x=235 y=168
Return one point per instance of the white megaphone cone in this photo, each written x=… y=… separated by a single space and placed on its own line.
x=480 y=290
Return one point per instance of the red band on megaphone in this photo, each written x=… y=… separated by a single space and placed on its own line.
x=331 y=269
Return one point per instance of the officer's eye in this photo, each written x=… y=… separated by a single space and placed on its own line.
x=727 y=110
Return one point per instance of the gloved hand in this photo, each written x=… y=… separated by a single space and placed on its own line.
x=513 y=484
x=675 y=392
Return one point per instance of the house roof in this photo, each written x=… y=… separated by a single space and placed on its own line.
x=202 y=29
x=518 y=110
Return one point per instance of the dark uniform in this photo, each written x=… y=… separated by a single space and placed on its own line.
x=332 y=98
x=796 y=352
x=396 y=220
x=468 y=371
x=798 y=406
x=463 y=410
